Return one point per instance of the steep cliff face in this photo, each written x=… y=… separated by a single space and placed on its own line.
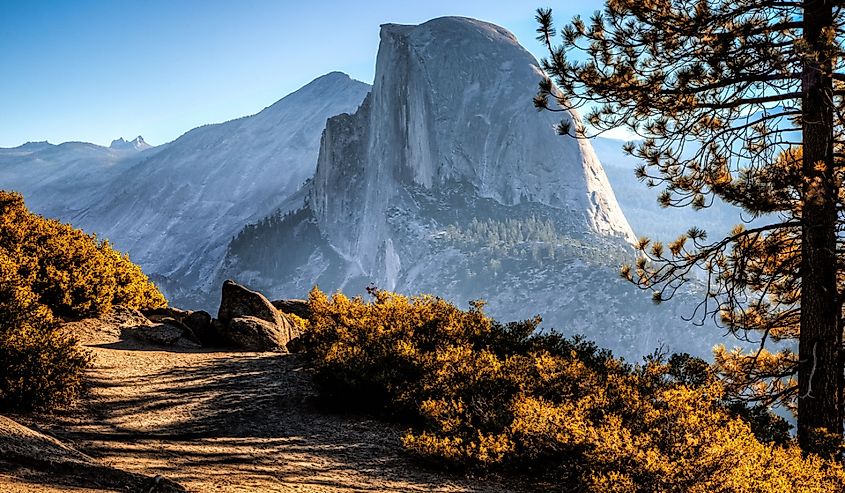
x=452 y=103
x=448 y=181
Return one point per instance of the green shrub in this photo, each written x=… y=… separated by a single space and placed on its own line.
x=49 y=270
x=482 y=394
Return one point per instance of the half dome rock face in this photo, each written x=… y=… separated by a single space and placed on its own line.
x=452 y=103
x=447 y=180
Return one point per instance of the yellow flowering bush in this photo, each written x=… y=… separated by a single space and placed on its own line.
x=71 y=272
x=39 y=367
x=478 y=393
x=50 y=270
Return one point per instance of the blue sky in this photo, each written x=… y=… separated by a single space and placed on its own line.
x=95 y=70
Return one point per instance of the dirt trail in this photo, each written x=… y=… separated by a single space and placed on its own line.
x=224 y=421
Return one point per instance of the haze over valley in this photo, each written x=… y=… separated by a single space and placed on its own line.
x=440 y=177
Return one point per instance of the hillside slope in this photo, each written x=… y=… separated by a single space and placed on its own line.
x=215 y=420
x=448 y=181
x=174 y=207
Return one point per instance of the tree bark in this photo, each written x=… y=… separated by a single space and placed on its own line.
x=820 y=340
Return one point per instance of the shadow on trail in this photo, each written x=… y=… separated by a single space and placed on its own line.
x=237 y=395
x=243 y=412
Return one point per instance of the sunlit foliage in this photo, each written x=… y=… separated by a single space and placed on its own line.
x=523 y=237
x=49 y=270
x=71 y=272
x=741 y=102
x=39 y=367
x=481 y=394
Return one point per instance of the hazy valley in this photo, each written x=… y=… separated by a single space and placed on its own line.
x=366 y=189
x=457 y=278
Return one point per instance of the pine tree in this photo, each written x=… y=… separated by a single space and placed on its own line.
x=740 y=101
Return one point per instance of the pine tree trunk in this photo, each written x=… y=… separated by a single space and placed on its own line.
x=820 y=373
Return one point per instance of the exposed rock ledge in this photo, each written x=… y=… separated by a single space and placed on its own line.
x=34 y=454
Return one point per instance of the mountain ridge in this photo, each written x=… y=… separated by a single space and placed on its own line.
x=446 y=180
x=442 y=177
x=175 y=206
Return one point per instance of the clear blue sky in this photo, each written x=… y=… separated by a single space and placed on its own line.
x=95 y=70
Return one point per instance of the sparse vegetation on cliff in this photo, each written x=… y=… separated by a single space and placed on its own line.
x=537 y=239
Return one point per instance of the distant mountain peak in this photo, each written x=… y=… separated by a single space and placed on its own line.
x=331 y=79
x=137 y=144
x=329 y=86
x=336 y=74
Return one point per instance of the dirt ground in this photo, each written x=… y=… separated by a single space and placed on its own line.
x=223 y=422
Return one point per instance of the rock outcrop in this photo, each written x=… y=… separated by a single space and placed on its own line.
x=35 y=455
x=247 y=320
x=171 y=333
x=202 y=324
x=239 y=301
x=161 y=314
x=299 y=308
x=255 y=334
x=160 y=327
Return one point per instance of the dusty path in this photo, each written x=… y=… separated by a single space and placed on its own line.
x=223 y=421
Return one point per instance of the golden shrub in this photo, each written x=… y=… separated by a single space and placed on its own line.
x=71 y=272
x=39 y=367
x=478 y=393
x=132 y=287
x=49 y=270
x=300 y=322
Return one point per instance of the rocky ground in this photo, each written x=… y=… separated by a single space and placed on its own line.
x=208 y=420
